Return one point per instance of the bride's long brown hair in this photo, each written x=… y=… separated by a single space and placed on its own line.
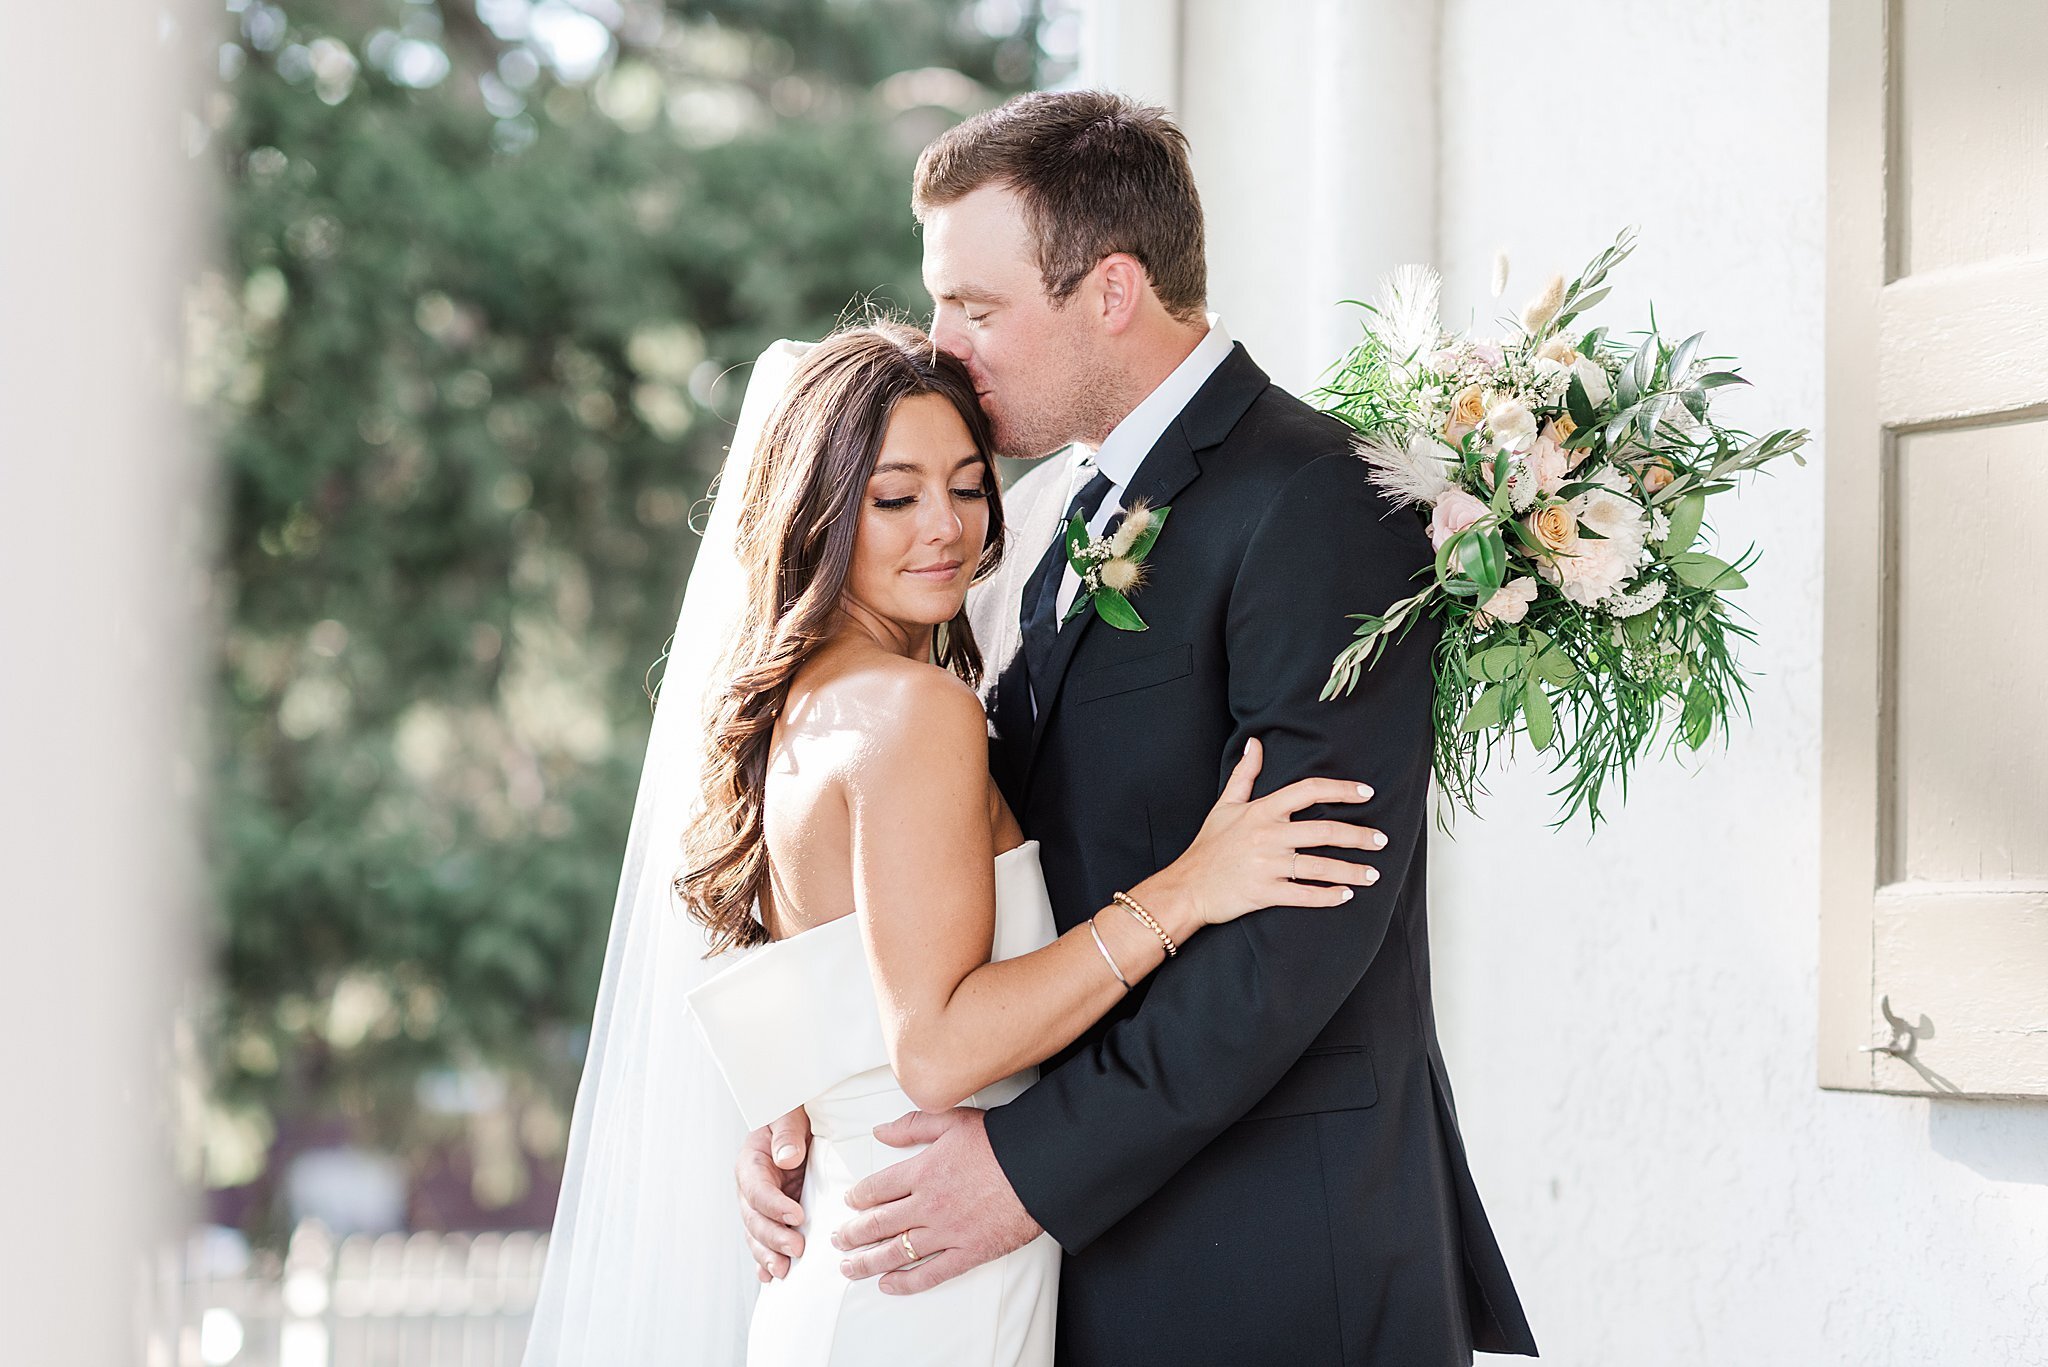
x=798 y=517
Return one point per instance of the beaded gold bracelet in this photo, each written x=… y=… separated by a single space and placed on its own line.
x=1130 y=904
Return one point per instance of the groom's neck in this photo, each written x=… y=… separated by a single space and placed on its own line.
x=1148 y=352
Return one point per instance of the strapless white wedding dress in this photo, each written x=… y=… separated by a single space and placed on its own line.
x=794 y=1023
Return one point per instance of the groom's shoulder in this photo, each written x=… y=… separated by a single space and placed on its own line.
x=1281 y=443
x=1293 y=466
x=1276 y=435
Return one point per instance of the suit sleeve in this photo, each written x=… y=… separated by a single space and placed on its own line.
x=1227 y=1018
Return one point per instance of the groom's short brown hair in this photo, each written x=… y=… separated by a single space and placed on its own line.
x=1097 y=173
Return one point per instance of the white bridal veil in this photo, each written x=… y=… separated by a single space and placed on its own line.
x=647 y=1264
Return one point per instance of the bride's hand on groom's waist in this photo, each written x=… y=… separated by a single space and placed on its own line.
x=770 y=1175
x=951 y=1201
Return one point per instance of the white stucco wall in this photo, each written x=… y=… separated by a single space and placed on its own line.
x=1630 y=1020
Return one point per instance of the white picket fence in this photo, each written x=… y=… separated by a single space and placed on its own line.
x=392 y=1300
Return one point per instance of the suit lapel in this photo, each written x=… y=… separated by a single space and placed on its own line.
x=1169 y=467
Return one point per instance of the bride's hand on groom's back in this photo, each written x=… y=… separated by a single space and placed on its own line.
x=770 y=1176
x=1252 y=853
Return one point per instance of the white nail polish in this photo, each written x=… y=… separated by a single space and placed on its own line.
x=1364 y=791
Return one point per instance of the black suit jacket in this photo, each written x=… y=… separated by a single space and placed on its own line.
x=1255 y=1157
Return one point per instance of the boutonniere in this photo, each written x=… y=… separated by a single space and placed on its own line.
x=1112 y=567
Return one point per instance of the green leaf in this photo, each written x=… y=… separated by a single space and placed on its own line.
x=1586 y=301
x=1116 y=610
x=1626 y=390
x=1681 y=357
x=1685 y=523
x=1497 y=663
x=1715 y=379
x=1577 y=404
x=1650 y=414
x=1555 y=667
x=1485 y=712
x=1143 y=545
x=1697 y=719
x=1644 y=366
x=1641 y=629
x=1481 y=559
x=1542 y=721
x=1707 y=572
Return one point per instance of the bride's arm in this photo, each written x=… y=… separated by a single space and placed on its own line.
x=924 y=886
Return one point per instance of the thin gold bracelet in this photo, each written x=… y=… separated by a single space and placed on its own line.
x=1106 y=955
x=1130 y=904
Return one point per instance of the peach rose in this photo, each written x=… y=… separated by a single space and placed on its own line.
x=1468 y=410
x=1559 y=350
x=1554 y=525
x=1656 y=476
x=1558 y=429
x=1601 y=567
x=1453 y=513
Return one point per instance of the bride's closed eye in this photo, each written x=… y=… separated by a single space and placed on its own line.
x=891 y=504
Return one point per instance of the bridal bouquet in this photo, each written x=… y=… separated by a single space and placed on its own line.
x=1565 y=475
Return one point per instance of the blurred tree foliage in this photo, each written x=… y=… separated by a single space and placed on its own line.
x=487 y=268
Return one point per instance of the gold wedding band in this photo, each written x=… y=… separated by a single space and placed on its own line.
x=909 y=1249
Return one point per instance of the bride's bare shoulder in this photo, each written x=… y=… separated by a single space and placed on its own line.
x=878 y=700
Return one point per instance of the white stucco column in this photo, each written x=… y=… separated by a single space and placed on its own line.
x=99 y=615
x=1314 y=127
x=1133 y=46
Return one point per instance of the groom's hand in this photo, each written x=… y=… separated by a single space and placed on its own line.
x=770 y=1174
x=952 y=1200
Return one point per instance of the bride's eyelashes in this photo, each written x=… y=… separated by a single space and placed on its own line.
x=892 y=504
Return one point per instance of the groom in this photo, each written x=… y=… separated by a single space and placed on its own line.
x=1254 y=1157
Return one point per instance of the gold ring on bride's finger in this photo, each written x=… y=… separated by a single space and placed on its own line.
x=909 y=1248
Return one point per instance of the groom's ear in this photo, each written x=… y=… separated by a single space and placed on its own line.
x=1122 y=284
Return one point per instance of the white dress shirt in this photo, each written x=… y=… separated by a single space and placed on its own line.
x=1128 y=443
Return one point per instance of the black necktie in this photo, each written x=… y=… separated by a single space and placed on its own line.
x=1042 y=594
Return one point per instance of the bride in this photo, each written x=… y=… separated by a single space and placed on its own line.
x=895 y=947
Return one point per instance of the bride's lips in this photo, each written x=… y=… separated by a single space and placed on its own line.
x=937 y=574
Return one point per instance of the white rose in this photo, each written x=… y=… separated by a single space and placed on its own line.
x=1593 y=380
x=1511 y=424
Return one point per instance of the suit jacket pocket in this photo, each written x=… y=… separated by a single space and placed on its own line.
x=1324 y=1079
x=1125 y=675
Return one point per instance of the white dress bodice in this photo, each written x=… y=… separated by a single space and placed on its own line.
x=796 y=1023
